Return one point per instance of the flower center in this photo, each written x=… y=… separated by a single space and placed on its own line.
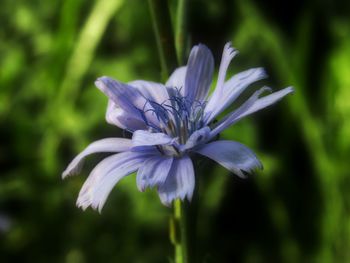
x=177 y=117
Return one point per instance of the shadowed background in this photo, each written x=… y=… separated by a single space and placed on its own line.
x=296 y=210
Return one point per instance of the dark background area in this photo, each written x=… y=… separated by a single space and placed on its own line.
x=296 y=210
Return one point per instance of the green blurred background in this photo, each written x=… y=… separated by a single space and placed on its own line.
x=296 y=210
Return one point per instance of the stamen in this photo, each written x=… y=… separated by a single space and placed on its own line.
x=177 y=116
x=160 y=111
x=143 y=116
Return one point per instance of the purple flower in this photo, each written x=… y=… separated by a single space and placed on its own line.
x=168 y=124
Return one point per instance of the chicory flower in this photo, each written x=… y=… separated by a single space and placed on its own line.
x=169 y=123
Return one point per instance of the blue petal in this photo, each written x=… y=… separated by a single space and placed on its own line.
x=227 y=55
x=224 y=96
x=232 y=155
x=177 y=79
x=179 y=183
x=151 y=90
x=125 y=96
x=199 y=73
x=123 y=119
x=153 y=172
x=146 y=138
x=253 y=104
x=106 y=175
x=268 y=100
x=104 y=145
x=132 y=102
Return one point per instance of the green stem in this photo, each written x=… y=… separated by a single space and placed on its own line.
x=181 y=30
x=175 y=233
x=182 y=230
x=164 y=36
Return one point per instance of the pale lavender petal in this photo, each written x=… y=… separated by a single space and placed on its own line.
x=180 y=182
x=135 y=104
x=104 y=145
x=146 y=138
x=199 y=73
x=151 y=90
x=236 y=115
x=227 y=55
x=106 y=175
x=177 y=79
x=267 y=101
x=123 y=119
x=222 y=98
x=125 y=96
x=232 y=155
x=153 y=172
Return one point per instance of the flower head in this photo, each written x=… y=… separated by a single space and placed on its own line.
x=170 y=122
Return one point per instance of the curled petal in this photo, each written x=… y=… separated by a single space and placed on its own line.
x=153 y=172
x=179 y=183
x=123 y=119
x=199 y=73
x=104 y=145
x=268 y=100
x=253 y=104
x=133 y=100
x=222 y=98
x=232 y=155
x=227 y=55
x=125 y=96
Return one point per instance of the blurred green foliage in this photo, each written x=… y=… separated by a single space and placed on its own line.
x=296 y=210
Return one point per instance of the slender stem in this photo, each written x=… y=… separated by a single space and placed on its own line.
x=188 y=228
x=176 y=233
x=182 y=230
x=164 y=36
x=181 y=31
